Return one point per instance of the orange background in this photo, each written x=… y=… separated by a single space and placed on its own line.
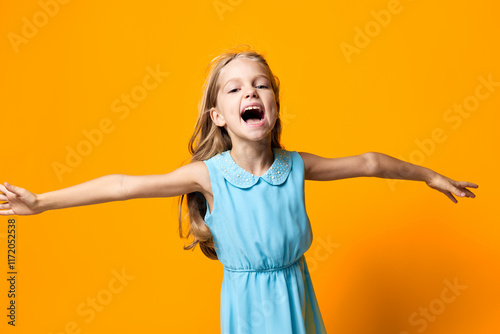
x=382 y=250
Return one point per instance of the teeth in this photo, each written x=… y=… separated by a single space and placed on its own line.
x=252 y=107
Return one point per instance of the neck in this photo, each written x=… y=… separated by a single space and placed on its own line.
x=255 y=158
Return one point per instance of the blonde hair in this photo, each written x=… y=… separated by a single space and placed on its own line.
x=209 y=140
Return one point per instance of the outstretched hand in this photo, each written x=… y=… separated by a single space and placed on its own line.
x=451 y=187
x=19 y=201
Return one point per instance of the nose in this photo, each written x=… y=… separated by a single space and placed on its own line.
x=252 y=92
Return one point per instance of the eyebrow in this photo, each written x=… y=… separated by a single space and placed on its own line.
x=232 y=79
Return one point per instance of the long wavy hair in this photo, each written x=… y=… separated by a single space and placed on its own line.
x=209 y=140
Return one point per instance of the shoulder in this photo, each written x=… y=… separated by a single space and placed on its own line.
x=201 y=170
x=292 y=157
x=196 y=167
x=197 y=172
x=308 y=161
x=215 y=157
x=307 y=157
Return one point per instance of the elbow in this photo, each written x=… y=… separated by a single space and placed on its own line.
x=372 y=163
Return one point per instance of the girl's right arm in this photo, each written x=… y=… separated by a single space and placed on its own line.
x=115 y=187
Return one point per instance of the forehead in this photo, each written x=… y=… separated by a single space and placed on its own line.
x=241 y=68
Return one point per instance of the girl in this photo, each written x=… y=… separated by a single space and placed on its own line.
x=245 y=197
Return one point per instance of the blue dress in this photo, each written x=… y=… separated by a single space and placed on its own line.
x=261 y=231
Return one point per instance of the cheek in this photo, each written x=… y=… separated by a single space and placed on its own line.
x=226 y=101
x=274 y=105
x=272 y=98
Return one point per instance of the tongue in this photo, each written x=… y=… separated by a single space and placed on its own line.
x=253 y=121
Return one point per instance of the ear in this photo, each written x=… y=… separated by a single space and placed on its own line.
x=217 y=117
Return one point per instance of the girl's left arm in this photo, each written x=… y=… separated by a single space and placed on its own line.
x=384 y=166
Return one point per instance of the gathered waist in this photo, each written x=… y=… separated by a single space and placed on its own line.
x=263 y=269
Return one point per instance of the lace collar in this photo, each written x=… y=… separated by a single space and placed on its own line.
x=237 y=176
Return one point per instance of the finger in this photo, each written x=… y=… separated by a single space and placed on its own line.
x=4 y=206
x=13 y=189
x=3 y=197
x=456 y=191
x=3 y=189
x=468 y=193
x=463 y=184
x=6 y=212
x=450 y=196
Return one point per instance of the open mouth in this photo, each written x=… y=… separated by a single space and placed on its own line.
x=253 y=115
